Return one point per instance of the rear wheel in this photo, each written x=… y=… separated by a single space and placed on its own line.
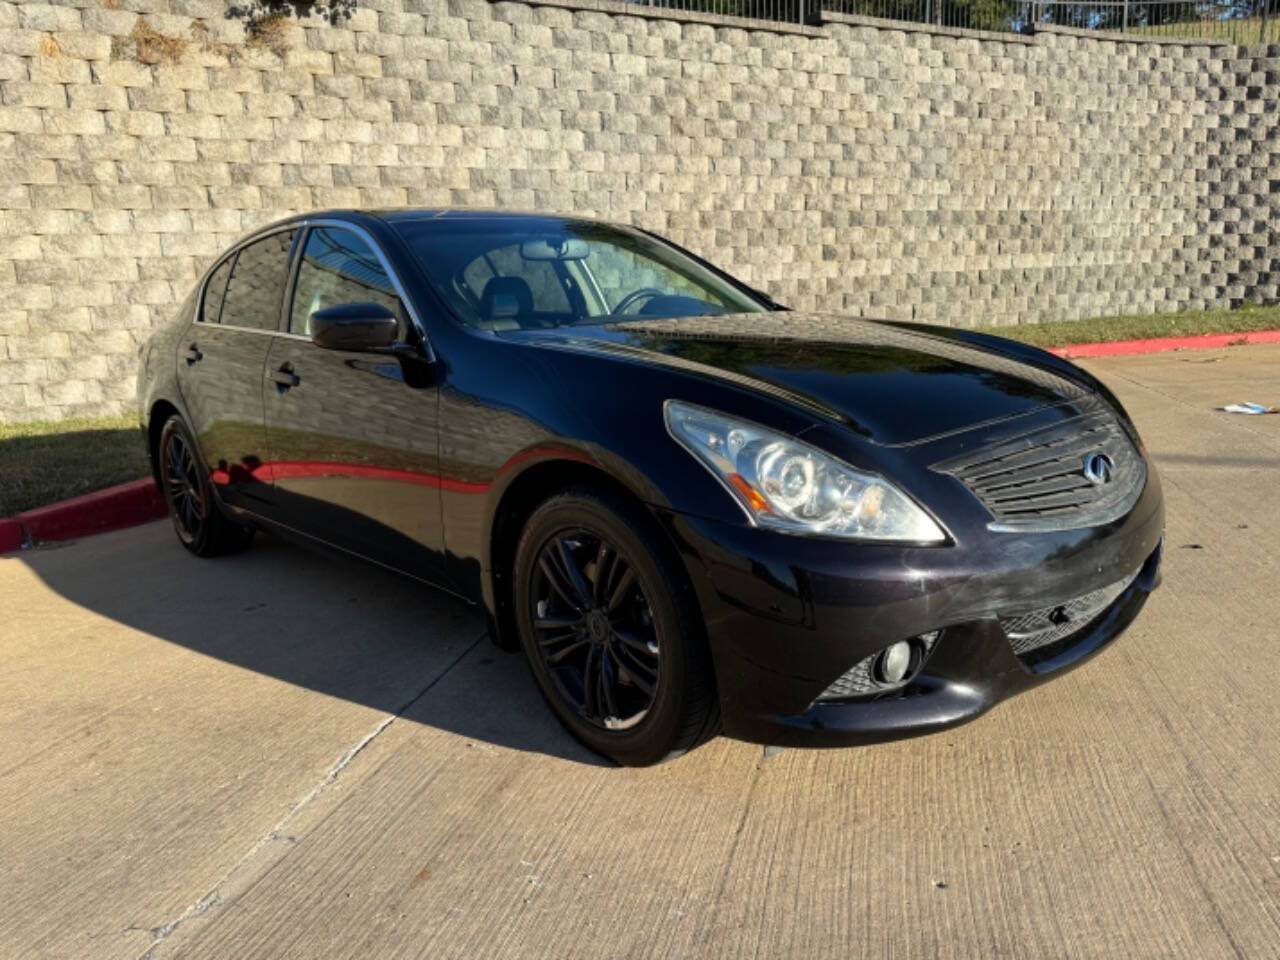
x=608 y=622
x=197 y=519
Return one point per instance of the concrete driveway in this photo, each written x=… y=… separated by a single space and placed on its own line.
x=285 y=755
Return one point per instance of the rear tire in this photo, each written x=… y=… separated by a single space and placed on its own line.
x=197 y=518
x=611 y=629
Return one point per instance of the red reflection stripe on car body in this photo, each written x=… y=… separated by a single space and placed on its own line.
x=284 y=469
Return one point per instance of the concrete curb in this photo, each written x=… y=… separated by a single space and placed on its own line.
x=124 y=505
x=1207 y=341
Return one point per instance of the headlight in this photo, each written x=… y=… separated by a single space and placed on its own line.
x=791 y=486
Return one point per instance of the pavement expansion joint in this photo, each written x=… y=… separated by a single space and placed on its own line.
x=213 y=898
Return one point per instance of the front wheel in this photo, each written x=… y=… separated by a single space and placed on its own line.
x=197 y=520
x=611 y=629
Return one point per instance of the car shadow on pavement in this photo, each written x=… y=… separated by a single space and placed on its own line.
x=337 y=626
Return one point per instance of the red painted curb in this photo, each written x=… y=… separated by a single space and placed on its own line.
x=112 y=509
x=1207 y=341
x=10 y=535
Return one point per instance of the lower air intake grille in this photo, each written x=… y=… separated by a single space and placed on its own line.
x=1028 y=632
x=1080 y=473
x=860 y=681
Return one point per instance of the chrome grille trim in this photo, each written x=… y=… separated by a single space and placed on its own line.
x=1028 y=632
x=1037 y=482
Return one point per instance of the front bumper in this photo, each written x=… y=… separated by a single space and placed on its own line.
x=788 y=615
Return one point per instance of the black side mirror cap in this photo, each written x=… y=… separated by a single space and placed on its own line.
x=355 y=326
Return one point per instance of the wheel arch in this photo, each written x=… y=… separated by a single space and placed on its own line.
x=161 y=410
x=521 y=496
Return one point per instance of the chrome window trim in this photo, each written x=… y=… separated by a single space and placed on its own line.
x=265 y=333
x=302 y=225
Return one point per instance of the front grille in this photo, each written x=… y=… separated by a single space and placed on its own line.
x=1038 y=481
x=1029 y=632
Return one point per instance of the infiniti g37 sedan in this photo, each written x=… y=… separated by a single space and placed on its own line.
x=693 y=509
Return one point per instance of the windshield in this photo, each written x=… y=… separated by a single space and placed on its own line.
x=529 y=273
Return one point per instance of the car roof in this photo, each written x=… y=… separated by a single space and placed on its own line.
x=397 y=215
x=402 y=214
x=406 y=214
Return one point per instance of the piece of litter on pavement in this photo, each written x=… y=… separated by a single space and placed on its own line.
x=1248 y=408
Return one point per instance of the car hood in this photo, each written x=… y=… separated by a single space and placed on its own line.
x=891 y=384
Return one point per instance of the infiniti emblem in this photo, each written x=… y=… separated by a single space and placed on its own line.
x=1097 y=468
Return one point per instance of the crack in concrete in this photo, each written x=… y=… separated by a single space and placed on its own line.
x=213 y=898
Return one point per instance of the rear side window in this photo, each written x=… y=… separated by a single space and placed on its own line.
x=338 y=267
x=215 y=291
x=257 y=283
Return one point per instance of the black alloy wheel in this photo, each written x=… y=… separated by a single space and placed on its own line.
x=611 y=629
x=595 y=629
x=198 y=521
x=180 y=478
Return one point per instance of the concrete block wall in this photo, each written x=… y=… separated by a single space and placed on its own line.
x=866 y=169
x=1240 y=218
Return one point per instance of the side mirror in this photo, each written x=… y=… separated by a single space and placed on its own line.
x=354 y=326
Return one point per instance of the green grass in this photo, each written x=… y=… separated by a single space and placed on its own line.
x=1107 y=329
x=44 y=462
x=1246 y=30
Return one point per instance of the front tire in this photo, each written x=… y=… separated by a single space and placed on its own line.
x=608 y=621
x=197 y=519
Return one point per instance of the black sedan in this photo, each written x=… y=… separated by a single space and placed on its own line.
x=694 y=509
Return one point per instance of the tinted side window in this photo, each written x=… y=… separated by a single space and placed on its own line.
x=215 y=291
x=338 y=267
x=257 y=279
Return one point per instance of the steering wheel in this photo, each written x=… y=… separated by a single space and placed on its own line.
x=646 y=293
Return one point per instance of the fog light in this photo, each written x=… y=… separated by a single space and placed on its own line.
x=892 y=665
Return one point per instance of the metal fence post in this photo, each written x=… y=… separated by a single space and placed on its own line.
x=1125 y=27
x=1262 y=29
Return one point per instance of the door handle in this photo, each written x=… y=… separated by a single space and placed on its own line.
x=285 y=378
x=194 y=355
